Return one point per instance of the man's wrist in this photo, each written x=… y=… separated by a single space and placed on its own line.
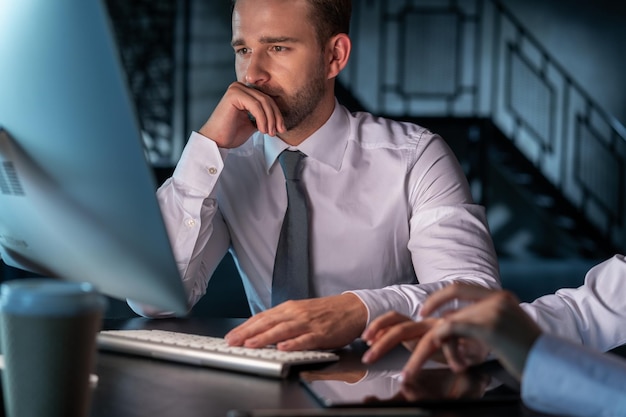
x=359 y=310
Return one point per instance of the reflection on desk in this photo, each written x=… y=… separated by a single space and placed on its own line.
x=350 y=383
x=385 y=388
x=141 y=387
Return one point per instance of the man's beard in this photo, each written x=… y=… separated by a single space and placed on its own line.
x=297 y=107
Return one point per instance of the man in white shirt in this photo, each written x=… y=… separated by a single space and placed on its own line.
x=389 y=206
x=553 y=345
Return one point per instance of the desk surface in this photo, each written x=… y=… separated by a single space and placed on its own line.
x=139 y=387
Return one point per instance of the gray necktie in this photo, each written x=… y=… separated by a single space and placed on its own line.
x=291 y=266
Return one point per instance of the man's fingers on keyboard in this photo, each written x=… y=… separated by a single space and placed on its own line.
x=259 y=323
x=305 y=341
x=272 y=336
x=247 y=330
x=260 y=339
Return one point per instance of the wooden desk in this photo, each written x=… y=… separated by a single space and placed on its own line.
x=139 y=387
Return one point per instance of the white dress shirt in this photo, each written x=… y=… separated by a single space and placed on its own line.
x=389 y=207
x=565 y=378
x=593 y=314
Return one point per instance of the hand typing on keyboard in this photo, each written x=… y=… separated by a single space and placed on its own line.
x=318 y=323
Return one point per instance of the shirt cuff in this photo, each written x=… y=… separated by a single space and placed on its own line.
x=380 y=301
x=200 y=164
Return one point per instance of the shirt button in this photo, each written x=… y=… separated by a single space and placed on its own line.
x=212 y=170
x=190 y=222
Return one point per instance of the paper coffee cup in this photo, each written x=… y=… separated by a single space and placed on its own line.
x=48 y=340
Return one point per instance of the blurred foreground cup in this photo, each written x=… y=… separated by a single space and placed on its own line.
x=48 y=338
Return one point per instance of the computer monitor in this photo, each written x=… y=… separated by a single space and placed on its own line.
x=77 y=196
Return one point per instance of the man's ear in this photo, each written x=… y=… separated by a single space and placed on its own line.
x=337 y=54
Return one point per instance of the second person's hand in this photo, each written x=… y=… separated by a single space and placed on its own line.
x=495 y=319
x=391 y=329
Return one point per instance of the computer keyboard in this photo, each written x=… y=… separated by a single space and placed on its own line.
x=208 y=351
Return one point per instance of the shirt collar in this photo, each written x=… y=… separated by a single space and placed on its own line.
x=326 y=145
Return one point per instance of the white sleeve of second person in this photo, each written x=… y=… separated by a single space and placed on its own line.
x=197 y=233
x=592 y=314
x=562 y=377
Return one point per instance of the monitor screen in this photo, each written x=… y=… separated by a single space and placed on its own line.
x=77 y=196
